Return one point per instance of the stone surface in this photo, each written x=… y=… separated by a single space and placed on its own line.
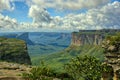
x=91 y=37
x=12 y=71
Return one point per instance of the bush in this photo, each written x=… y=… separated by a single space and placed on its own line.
x=39 y=73
x=86 y=68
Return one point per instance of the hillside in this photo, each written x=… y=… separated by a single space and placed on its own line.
x=41 y=42
x=14 y=50
x=57 y=60
x=84 y=42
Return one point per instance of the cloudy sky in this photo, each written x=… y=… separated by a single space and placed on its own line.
x=58 y=15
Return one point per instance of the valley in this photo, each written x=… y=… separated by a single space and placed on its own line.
x=52 y=51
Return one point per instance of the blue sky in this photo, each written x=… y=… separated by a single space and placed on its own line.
x=31 y=12
x=21 y=12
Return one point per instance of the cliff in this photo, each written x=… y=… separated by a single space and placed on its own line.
x=20 y=35
x=14 y=50
x=91 y=37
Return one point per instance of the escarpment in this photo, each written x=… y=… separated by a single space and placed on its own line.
x=91 y=37
x=14 y=50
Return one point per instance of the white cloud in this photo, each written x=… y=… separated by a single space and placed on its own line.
x=70 y=4
x=107 y=16
x=39 y=15
x=104 y=17
x=7 y=23
x=6 y=5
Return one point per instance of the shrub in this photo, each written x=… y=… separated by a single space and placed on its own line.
x=86 y=67
x=39 y=73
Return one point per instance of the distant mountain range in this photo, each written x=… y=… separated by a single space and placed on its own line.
x=42 y=42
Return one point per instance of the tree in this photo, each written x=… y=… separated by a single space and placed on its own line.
x=86 y=67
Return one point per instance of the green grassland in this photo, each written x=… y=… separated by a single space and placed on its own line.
x=57 y=60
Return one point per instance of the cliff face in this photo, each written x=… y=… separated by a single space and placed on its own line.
x=83 y=39
x=14 y=50
x=91 y=37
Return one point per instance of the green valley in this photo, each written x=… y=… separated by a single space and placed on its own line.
x=57 y=60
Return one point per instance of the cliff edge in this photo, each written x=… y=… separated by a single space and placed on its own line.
x=14 y=50
x=91 y=37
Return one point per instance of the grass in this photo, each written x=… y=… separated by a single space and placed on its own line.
x=57 y=60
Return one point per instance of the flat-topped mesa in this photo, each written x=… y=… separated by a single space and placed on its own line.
x=91 y=37
x=14 y=50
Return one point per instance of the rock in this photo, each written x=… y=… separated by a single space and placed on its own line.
x=91 y=37
x=111 y=48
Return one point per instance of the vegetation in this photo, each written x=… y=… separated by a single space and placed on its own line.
x=87 y=68
x=39 y=73
x=44 y=72
x=112 y=43
x=79 y=68
x=14 y=50
x=59 y=59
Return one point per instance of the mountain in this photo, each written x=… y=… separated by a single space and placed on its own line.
x=42 y=42
x=91 y=37
x=84 y=42
x=48 y=42
x=25 y=36
x=18 y=35
x=14 y=50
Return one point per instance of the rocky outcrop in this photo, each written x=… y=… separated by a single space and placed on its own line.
x=111 y=47
x=12 y=71
x=91 y=37
x=83 y=39
x=14 y=50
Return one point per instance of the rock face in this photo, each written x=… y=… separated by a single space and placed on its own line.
x=91 y=37
x=111 y=46
x=14 y=50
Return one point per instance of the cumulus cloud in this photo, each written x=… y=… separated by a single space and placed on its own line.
x=97 y=18
x=39 y=15
x=6 y=5
x=107 y=16
x=7 y=23
x=70 y=4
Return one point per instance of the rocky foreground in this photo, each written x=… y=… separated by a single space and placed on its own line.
x=12 y=71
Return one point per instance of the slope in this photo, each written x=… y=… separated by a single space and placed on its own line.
x=57 y=60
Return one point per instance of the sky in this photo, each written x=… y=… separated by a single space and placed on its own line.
x=58 y=15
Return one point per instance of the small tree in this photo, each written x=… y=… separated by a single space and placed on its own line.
x=86 y=67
